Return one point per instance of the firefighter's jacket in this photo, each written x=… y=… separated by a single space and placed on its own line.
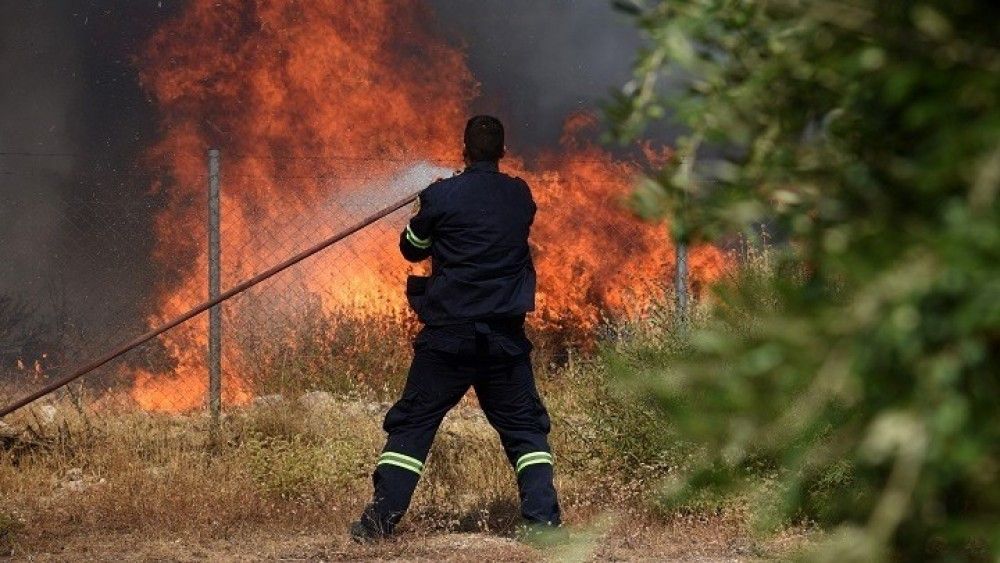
x=474 y=227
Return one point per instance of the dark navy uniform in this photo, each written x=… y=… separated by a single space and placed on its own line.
x=474 y=227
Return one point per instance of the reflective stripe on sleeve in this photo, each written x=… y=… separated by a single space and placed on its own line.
x=532 y=458
x=412 y=238
x=400 y=460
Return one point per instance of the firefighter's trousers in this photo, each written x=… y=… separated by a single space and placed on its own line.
x=505 y=387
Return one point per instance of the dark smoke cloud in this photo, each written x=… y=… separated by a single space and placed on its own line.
x=35 y=104
x=538 y=61
x=73 y=234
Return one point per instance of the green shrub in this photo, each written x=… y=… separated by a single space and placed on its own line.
x=630 y=432
x=865 y=367
x=297 y=469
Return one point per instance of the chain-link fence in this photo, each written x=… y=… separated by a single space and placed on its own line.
x=136 y=253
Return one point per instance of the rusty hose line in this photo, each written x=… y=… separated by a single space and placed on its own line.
x=206 y=305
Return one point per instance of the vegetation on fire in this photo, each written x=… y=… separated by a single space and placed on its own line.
x=306 y=148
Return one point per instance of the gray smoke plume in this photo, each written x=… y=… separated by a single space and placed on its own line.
x=35 y=105
x=74 y=211
x=540 y=61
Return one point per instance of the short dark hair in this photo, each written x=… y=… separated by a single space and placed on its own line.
x=484 y=139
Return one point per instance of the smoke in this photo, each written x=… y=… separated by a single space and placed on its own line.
x=537 y=62
x=35 y=107
x=73 y=122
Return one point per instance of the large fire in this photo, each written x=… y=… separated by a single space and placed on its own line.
x=319 y=104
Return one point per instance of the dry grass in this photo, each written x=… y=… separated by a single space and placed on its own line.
x=284 y=480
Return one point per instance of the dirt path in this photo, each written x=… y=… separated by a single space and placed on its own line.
x=682 y=541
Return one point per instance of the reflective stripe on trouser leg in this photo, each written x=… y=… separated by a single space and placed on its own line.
x=401 y=460
x=532 y=458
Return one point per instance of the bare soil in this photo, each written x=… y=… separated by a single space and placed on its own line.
x=692 y=540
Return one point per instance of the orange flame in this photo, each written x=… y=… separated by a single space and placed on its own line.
x=320 y=101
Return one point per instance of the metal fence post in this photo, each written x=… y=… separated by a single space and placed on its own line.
x=682 y=232
x=215 y=313
x=680 y=281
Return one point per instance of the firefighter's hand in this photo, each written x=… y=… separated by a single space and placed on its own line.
x=416 y=207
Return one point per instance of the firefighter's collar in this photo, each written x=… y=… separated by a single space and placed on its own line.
x=484 y=166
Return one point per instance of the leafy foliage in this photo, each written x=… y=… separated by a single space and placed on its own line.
x=868 y=134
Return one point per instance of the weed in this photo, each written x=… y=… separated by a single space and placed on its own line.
x=10 y=526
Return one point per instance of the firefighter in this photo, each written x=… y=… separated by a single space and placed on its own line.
x=474 y=227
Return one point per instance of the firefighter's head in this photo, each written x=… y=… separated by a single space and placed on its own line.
x=483 y=139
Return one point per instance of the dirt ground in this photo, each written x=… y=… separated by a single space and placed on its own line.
x=692 y=539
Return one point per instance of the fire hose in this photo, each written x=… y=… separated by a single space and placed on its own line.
x=204 y=306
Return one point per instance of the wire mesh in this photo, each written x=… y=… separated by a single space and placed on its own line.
x=133 y=255
x=130 y=260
